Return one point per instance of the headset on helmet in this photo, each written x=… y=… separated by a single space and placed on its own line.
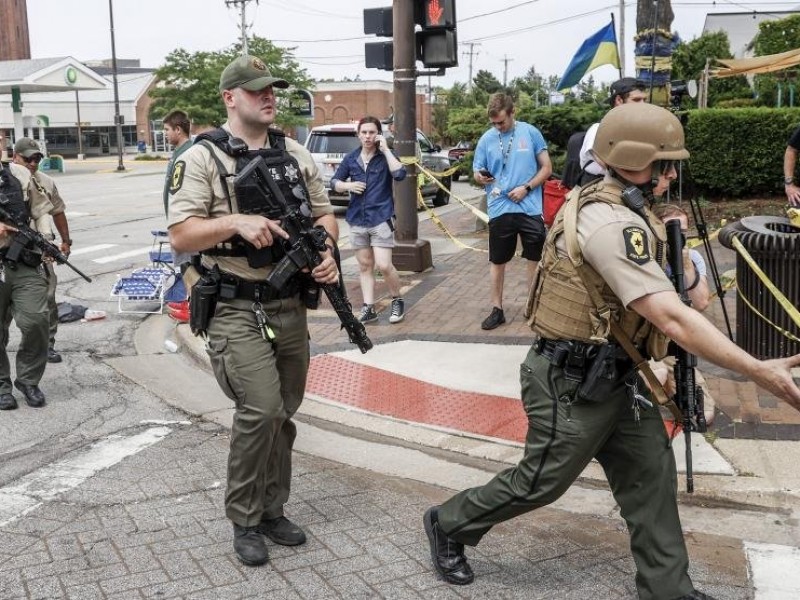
x=634 y=135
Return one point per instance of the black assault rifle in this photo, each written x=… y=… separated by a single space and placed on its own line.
x=26 y=236
x=302 y=249
x=688 y=395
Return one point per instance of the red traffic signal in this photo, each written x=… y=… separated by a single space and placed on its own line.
x=436 y=14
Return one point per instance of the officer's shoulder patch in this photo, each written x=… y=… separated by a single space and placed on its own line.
x=176 y=181
x=637 y=248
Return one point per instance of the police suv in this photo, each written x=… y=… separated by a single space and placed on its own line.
x=329 y=144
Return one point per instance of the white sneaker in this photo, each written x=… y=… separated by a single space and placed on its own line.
x=398 y=310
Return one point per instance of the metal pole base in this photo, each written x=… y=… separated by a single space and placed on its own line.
x=412 y=255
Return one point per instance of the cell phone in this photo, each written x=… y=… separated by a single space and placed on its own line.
x=486 y=173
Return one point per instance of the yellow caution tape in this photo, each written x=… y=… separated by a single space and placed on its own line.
x=763 y=318
x=782 y=300
x=477 y=212
x=695 y=242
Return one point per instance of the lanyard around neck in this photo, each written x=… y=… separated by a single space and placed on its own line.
x=504 y=152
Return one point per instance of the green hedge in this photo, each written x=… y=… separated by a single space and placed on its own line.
x=739 y=151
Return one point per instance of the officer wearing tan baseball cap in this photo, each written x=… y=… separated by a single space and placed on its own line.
x=250 y=73
x=27 y=148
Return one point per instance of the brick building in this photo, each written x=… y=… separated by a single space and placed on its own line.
x=14 y=42
x=345 y=101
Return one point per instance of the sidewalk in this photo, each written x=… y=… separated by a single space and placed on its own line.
x=438 y=380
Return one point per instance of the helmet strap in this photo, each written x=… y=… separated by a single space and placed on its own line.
x=647 y=188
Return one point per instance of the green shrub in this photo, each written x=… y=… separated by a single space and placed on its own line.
x=739 y=151
x=147 y=157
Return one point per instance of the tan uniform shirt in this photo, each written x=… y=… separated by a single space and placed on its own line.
x=602 y=238
x=199 y=193
x=38 y=204
x=47 y=202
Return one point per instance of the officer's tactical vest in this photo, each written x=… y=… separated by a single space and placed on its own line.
x=560 y=305
x=14 y=197
x=285 y=172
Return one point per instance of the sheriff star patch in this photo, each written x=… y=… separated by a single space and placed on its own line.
x=636 y=246
x=177 y=176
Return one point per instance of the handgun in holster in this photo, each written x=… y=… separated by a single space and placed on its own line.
x=203 y=301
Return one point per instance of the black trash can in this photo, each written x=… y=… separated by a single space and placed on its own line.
x=774 y=244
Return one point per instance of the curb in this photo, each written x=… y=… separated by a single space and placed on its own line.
x=760 y=481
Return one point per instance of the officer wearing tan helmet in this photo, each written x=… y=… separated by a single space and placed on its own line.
x=257 y=336
x=601 y=281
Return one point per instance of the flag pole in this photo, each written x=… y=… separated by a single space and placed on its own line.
x=619 y=62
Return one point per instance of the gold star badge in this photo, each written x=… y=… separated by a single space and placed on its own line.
x=636 y=246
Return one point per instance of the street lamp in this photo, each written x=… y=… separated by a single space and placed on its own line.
x=117 y=116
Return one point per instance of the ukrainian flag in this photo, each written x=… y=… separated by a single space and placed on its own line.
x=599 y=49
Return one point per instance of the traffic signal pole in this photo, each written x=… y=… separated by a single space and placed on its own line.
x=410 y=253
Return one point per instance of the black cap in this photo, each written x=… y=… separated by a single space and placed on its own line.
x=622 y=86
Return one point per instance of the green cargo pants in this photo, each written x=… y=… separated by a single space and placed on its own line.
x=267 y=382
x=563 y=436
x=23 y=293
x=52 y=305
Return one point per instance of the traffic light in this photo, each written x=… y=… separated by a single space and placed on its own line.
x=437 y=43
x=378 y=55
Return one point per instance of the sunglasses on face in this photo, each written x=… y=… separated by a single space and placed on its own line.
x=33 y=159
x=666 y=166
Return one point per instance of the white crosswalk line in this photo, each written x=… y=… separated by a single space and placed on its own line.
x=775 y=570
x=89 y=249
x=47 y=483
x=122 y=255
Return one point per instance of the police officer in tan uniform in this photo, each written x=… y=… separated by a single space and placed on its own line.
x=258 y=337
x=600 y=281
x=23 y=291
x=28 y=154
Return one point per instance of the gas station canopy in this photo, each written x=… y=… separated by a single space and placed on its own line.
x=48 y=75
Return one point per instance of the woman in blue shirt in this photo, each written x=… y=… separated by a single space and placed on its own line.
x=367 y=173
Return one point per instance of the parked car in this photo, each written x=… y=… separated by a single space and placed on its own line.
x=329 y=144
x=456 y=155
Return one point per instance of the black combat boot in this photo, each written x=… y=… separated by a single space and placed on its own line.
x=282 y=531
x=695 y=595
x=250 y=546
x=447 y=554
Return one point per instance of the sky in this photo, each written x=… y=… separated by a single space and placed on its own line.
x=505 y=37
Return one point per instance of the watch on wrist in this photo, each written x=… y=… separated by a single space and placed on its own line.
x=788 y=180
x=528 y=187
x=67 y=241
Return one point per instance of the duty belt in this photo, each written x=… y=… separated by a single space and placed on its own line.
x=231 y=288
x=575 y=357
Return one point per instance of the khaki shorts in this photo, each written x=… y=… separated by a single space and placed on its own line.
x=380 y=236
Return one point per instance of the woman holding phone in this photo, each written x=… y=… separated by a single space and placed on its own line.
x=367 y=173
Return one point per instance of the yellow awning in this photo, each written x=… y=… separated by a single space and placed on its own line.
x=758 y=64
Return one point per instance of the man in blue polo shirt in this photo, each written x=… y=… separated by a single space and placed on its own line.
x=512 y=163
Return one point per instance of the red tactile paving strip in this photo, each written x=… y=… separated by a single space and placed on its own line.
x=385 y=393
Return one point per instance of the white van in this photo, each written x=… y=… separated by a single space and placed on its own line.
x=329 y=144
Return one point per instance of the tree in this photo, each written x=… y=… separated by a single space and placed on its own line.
x=486 y=82
x=689 y=61
x=646 y=14
x=774 y=37
x=190 y=82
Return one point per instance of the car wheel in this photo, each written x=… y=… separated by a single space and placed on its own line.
x=456 y=175
x=442 y=198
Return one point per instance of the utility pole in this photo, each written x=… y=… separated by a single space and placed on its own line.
x=117 y=116
x=470 y=54
x=506 y=60
x=410 y=253
x=242 y=4
x=622 y=38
